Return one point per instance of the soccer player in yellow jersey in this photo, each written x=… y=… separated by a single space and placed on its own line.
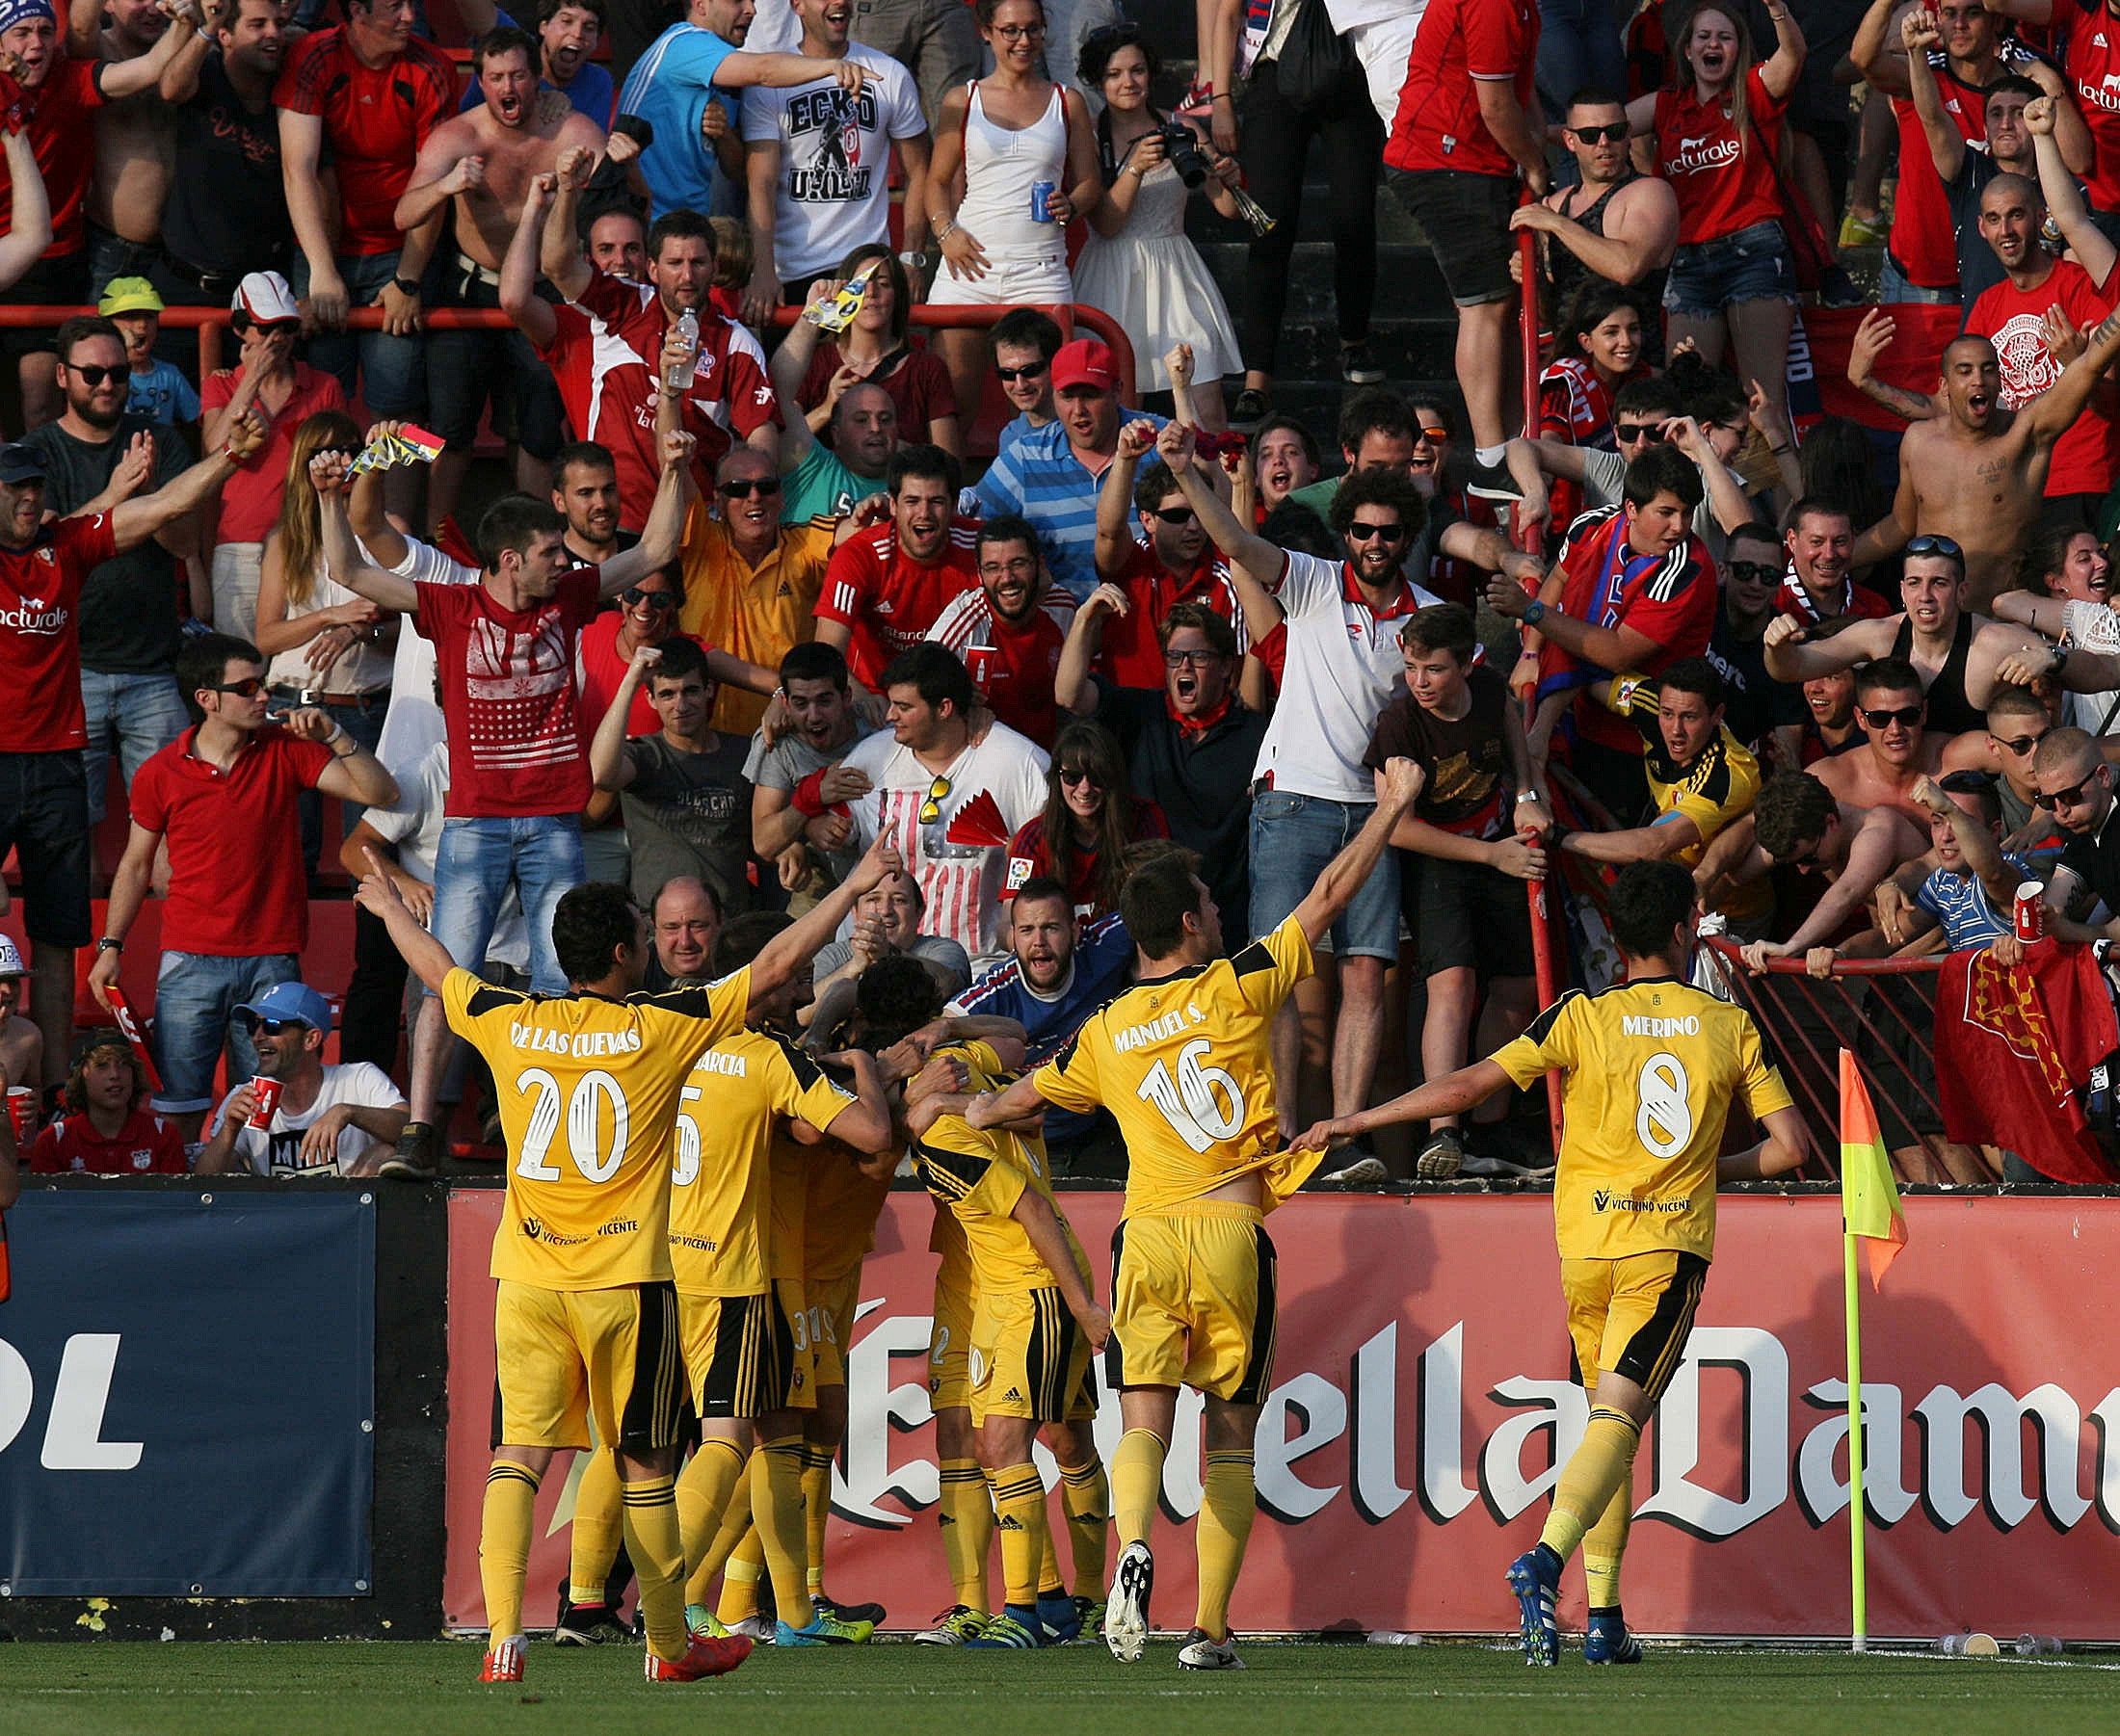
x=1649 y=1068
x=585 y=1316
x=1033 y=1330
x=1183 y=1061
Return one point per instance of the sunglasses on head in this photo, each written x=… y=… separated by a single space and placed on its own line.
x=1929 y=543
x=1030 y=369
x=1908 y=715
x=93 y=376
x=1175 y=515
x=1612 y=132
x=1364 y=530
x=1755 y=572
x=633 y=596
x=2073 y=794
x=931 y=810
x=249 y=688
x=742 y=488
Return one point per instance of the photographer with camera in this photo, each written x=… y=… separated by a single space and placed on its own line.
x=1137 y=264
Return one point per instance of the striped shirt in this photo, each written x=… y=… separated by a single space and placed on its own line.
x=1041 y=477
x=1961 y=904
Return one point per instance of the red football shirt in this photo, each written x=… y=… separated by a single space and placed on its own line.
x=375 y=121
x=145 y=1146
x=41 y=634
x=600 y=671
x=250 y=499
x=1128 y=654
x=511 y=697
x=1723 y=184
x=888 y=599
x=236 y=888
x=58 y=111
x=603 y=357
x=1439 y=124
x=1922 y=239
x=2092 y=63
x=1012 y=664
x=2086 y=457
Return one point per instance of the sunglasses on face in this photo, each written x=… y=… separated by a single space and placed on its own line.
x=1631 y=432
x=249 y=688
x=1435 y=437
x=278 y=327
x=1030 y=369
x=1363 y=530
x=93 y=376
x=2021 y=744
x=633 y=596
x=1931 y=544
x=2074 y=796
x=1175 y=515
x=765 y=487
x=1612 y=132
x=1082 y=774
x=1755 y=572
x=274 y=1027
x=1907 y=715
x=931 y=810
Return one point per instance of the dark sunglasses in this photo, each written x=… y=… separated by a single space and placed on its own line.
x=1435 y=437
x=1175 y=515
x=1631 y=432
x=2020 y=745
x=1363 y=530
x=1080 y=775
x=249 y=688
x=93 y=376
x=273 y=1027
x=1030 y=369
x=2073 y=795
x=633 y=596
x=1755 y=572
x=1613 y=132
x=1929 y=543
x=740 y=490
x=278 y=327
x=1909 y=714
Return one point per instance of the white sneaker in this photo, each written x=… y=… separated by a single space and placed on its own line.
x=1364 y=1173
x=757 y=1629
x=1199 y=1653
x=1126 y=1609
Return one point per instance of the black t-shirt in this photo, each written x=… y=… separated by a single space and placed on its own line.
x=1471 y=785
x=1754 y=702
x=226 y=212
x=128 y=606
x=690 y=813
x=2096 y=862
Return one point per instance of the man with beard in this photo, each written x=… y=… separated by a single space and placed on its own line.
x=1756 y=703
x=568 y=32
x=585 y=487
x=1007 y=633
x=1174 y=565
x=887 y=586
x=798 y=790
x=1975 y=476
x=484 y=159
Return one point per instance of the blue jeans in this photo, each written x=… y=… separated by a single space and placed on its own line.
x=392 y=370
x=195 y=995
x=1293 y=839
x=1893 y=286
x=1579 y=48
x=140 y=715
x=476 y=863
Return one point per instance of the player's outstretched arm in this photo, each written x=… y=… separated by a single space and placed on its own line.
x=1781 y=1151
x=796 y=945
x=1049 y=1240
x=997 y=1109
x=379 y=895
x=1453 y=1094
x=1345 y=874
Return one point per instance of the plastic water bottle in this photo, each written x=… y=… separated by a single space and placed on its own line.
x=1388 y=1636
x=1953 y=1645
x=681 y=372
x=1968 y=1645
x=2039 y=1646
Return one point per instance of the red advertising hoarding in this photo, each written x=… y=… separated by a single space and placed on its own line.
x=1419 y=1392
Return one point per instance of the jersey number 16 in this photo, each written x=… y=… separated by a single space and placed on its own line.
x=1193 y=1102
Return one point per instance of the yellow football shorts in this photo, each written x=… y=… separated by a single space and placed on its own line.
x=950 y=1347
x=1632 y=1316
x=1193 y=1303
x=832 y=1304
x=1029 y=1358
x=563 y=1358
x=738 y=1353
x=801 y=1378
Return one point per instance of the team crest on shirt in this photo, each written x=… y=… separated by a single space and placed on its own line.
x=48 y=555
x=142 y=1160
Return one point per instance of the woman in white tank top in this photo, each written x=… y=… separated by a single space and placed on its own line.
x=1000 y=137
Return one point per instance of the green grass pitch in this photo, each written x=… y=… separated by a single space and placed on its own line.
x=1288 y=1689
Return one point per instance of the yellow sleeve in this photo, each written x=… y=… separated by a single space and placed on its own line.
x=957 y=1161
x=1002 y=1184
x=1268 y=970
x=803 y=1091
x=468 y=1001
x=698 y=1016
x=1069 y=1080
x=1764 y=1088
x=1549 y=1042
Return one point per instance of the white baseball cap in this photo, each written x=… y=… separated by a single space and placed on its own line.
x=10 y=959
x=265 y=297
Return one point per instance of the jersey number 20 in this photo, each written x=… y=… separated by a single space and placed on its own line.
x=596 y=1163
x=1193 y=1102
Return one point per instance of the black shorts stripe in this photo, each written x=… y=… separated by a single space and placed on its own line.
x=654 y=1406
x=1114 y=1369
x=498 y=1439
x=753 y=1361
x=1265 y=1327
x=1652 y=1355
x=1051 y=1345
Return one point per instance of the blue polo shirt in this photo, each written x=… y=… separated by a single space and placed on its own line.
x=1040 y=477
x=669 y=88
x=590 y=92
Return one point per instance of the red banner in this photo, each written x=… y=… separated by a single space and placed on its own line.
x=1421 y=1387
x=1913 y=362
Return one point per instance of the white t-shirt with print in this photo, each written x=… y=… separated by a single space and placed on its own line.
x=276 y=1150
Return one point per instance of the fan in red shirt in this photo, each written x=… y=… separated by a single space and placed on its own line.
x=1717 y=124
x=1633 y=588
x=1174 y=566
x=1819 y=589
x=1089 y=822
x=107 y=1128
x=606 y=345
x=1008 y=631
x=1598 y=351
x=887 y=585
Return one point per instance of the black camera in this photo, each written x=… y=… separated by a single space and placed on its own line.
x=1181 y=145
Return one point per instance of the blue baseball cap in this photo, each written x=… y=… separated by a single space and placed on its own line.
x=20 y=463
x=291 y=1000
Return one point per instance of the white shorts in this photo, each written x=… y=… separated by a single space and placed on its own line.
x=1039 y=281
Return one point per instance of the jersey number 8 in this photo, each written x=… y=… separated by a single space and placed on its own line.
x=583 y=1113
x=1192 y=1103
x=1664 y=1120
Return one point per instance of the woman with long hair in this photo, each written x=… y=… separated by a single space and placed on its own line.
x=323 y=644
x=1598 y=349
x=2066 y=590
x=1000 y=140
x=880 y=348
x=1090 y=819
x=1137 y=264
x=1717 y=131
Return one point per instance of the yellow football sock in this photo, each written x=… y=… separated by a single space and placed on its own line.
x=776 y=1511
x=504 y=1544
x=1599 y=1468
x=817 y=1505
x=1136 y=1482
x=705 y=1491
x=1228 y=1498
x=733 y=1536
x=1085 y=1496
x=1026 y=1534
x=740 y=1582
x=1605 y=1544
x=1049 y=1563
x=967 y=1520
x=597 y=1527
x=653 y=1540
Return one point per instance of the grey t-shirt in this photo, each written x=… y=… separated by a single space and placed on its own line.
x=791 y=759
x=929 y=948
x=690 y=813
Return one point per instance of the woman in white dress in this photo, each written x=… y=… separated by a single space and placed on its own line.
x=1000 y=137
x=1137 y=265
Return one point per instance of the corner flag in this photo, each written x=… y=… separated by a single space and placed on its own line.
x=1869 y=1198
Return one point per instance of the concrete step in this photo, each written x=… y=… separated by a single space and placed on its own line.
x=1409 y=286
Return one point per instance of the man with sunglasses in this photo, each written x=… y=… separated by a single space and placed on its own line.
x=1756 y=703
x=1024 y=343
x=2073 y=782
x=2018 y=720
x=329 y=1120
x=1898 y=749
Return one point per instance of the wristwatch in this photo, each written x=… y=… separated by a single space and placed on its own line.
x=914 y=262
x=406 y=286
x=1534 y=612
x=110 y=944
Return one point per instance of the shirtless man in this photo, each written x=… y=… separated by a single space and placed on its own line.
x=484 y=159
x=135 y=142
x=1977 y=475
x=1897 y=753
x=21 y=1043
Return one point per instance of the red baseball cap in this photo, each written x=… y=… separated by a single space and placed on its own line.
x=1084 y=362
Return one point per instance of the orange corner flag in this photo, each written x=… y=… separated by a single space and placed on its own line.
x=1869 y=1198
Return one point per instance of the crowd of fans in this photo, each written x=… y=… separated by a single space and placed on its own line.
x=760 y=595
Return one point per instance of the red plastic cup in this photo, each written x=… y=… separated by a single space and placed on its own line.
x=2031 y=912
x=267 y=1092
x=22 y=1113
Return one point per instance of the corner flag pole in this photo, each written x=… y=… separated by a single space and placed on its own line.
x=1859 y=1627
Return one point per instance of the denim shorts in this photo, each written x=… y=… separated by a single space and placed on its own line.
x=1293 y=839
x=195 y=995
x=1753 y=264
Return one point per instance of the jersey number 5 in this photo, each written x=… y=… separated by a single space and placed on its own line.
x=596 y=1162
x=1192 y=1102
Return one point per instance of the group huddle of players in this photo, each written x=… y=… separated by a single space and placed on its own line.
x=691 y=1191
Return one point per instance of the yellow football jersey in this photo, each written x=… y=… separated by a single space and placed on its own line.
x=1185 y=1065
x=588 y=1089
x=1650 y=1070
x=980 y=1175
x=1714 y=791
x=721 y=1176
x=789 y=1164
x=838 y=1215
